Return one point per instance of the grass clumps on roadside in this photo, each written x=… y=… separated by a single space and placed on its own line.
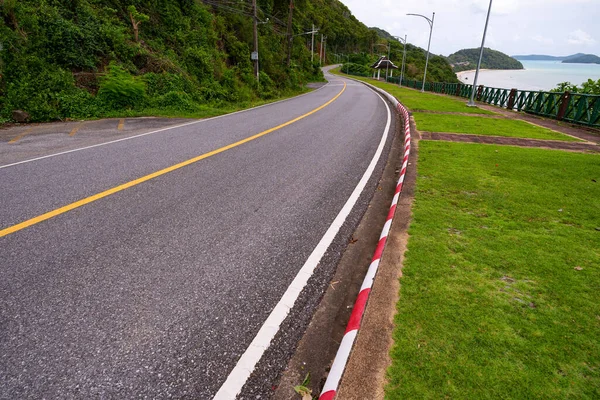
x=500 y=291
x=485 y=126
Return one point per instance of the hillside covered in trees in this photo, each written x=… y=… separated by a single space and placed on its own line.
x=466 y=59
x=582 y=59
x=91 y=58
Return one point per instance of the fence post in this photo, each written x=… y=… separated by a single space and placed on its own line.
x=479 y=92
x=444 y=87
x=511 y=99
x=564 y=103
x=458 y=89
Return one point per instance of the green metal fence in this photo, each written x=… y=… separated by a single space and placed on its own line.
x=576 y=108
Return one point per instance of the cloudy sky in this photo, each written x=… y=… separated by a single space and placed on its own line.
x=555 y=27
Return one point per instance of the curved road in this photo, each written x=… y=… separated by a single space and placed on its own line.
x=126 y=274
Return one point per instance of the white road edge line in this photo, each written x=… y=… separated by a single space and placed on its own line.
x=247 y=362
x=159 y=130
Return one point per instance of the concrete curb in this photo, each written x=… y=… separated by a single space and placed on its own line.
x=341 y=358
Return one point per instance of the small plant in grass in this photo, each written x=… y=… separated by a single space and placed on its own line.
x=303 y=389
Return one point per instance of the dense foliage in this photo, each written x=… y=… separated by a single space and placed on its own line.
x=466 y=59
x=88 y=58
x=589 y=87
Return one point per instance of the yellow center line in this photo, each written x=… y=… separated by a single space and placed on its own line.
x=116 y=189
x=121 y=124
x=19 y=136
x=74 y=130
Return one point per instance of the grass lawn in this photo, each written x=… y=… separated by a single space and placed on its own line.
x=416 y=101
x=485 y=126
x=500 y=294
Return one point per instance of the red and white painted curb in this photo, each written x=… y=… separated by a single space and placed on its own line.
x=343 y=353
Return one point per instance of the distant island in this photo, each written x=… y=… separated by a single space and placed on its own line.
x=466 y=59
x=584 y=59
x=579 y=58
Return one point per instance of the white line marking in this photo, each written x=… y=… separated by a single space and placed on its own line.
x=247 y=362
x=157 y=131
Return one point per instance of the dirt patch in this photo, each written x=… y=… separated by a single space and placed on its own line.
x=509 y=141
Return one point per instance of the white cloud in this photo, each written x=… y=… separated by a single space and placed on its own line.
x=580 y=37
x=515 y=26
x=542 y=39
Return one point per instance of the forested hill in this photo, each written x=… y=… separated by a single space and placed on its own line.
x=81 y=58
x=466 y=59
x=583 y=59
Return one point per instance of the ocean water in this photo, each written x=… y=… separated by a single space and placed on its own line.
x=537 y=75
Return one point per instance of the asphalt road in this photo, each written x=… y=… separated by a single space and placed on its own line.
x=156 y=290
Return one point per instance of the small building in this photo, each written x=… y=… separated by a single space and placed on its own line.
x=385 y=64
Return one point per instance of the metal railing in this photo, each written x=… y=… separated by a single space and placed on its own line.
x=577 y=108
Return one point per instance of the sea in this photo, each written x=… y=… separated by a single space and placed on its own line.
x=537 y=75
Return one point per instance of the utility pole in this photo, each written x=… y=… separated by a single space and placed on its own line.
x=325 y=51
x=321 y=52
x=387 y=65
x=289 y=32
x=312 y=44
x=255 y=54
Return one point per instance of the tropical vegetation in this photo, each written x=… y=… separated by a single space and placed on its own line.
x=589 y=87
x=64 y=59
x=466 y=59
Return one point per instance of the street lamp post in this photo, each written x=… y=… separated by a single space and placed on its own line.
x=471 y=102
x=387 y=65
x=430 y=21
x=403 y=56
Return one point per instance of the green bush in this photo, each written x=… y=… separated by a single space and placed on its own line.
x=119 y=89
x=179 y=101
x=356 y=69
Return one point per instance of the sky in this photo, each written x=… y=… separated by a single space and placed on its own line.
x=516 y=27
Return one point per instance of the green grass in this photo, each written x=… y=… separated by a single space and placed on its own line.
x=202 y=111
x=500 y=294
x=417 y=101
x=485 y=126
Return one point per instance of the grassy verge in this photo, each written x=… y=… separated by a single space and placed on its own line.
x=500 y=292
x=417 y=101
x=202 y=111
x=485 y=126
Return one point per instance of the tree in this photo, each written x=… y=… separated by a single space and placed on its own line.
x=136 y=19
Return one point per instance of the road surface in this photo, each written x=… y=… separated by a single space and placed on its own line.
x=144 y=268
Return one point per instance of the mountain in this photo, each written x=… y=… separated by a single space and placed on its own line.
x=466 y=59
x=583 y=59
x=539 y=57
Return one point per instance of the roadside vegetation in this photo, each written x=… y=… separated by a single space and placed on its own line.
x=499 y=294
x=588 y=87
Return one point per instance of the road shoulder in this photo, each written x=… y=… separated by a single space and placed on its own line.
x=318 y=346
